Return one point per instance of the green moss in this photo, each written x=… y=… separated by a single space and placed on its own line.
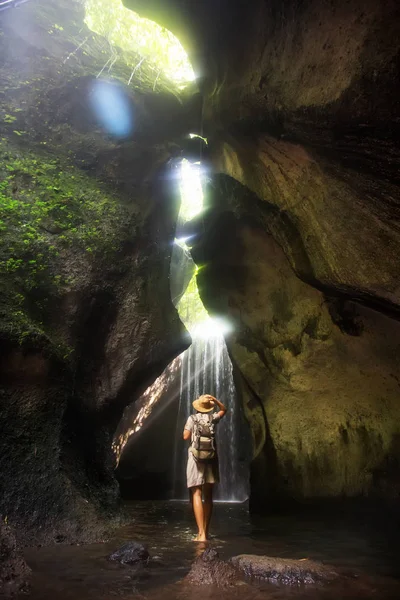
x=47 y=207
x=19 y=326
x=190 y=308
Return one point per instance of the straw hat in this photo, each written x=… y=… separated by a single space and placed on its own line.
x=204 y=404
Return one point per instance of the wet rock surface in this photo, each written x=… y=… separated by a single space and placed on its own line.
x=209 y=569
x=284 y=570
x=131 y=553
x=14 y=572
x=319 y=375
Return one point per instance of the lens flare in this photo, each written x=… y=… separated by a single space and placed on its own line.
x=112 y=108
x=182 y=241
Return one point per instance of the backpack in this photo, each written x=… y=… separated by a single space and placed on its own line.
x=203 y=438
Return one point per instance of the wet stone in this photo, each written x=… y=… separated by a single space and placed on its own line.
x=131 y=553
x=209 y=569
x=283 y=570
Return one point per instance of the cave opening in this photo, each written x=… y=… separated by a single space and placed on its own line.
x=150 y=43
x=147 y=469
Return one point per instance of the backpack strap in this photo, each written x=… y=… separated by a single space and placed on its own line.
x=195 y=433
x=211 y=424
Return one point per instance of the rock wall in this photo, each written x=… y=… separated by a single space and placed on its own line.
x=313 y=131
x=301 y=107
x=146 y=467
x=87 y=223
x=14 y=572
x=319 y=374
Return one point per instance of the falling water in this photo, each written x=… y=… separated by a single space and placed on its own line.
x=204 y=368
x=207 y=369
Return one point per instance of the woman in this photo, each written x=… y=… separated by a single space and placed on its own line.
x=201 y=476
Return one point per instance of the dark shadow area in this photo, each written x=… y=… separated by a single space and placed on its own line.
x=146 y=467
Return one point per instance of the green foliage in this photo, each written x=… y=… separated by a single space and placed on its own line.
x=43 y=208
x=14 y=319
x=190 y=308
x=16 y=323
x=46 y=208
x=196 y=136
x=125 y=29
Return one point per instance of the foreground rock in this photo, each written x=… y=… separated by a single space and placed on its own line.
x=284 y=570
x=131 y=553
x=14 y=572
x=209 y=569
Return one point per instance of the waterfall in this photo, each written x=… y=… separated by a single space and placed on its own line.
x=204 y=368
x=207 y=369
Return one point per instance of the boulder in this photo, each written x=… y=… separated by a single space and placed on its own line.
x=284 y=570
x=209 y=569
x=131 y=553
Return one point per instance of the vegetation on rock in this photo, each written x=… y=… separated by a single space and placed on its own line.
x=46 y=207
x=125 y=29
x=190 y=308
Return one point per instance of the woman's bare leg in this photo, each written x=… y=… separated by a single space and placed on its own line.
x=198 y=512
x=208 y=506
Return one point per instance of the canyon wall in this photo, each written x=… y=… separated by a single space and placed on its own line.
x=87 y=222
x=319 y=374
x=301 y=109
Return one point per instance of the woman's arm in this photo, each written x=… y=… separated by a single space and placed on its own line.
x=221 y=406
x=187 y=432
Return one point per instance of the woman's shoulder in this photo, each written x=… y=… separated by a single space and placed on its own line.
x=189 y=422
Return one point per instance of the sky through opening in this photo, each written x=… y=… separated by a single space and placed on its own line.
x=190 y=308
